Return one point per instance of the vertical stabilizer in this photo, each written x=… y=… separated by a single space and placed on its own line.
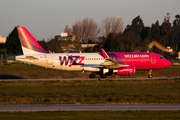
x=29 y=45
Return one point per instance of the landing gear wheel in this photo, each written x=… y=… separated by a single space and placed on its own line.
x=150 y=76
x=150 y=73
x=92 y=76
x=103 y=76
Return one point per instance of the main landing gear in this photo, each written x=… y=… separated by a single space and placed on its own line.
x=150 y=74
x=103 y=76
x=92 y=75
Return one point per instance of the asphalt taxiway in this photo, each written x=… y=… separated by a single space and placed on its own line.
x=90 y=107
x=75 y=79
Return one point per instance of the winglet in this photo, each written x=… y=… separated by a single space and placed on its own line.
x=104 y=53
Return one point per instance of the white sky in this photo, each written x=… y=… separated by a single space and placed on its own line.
x=45 y=18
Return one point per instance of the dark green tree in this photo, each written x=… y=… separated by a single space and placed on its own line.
x=89 y=49
x=175 y=33
x=2 y=47
x=13 y=46
x=136 y=26
x=90 y=41
x=144 y=33
x=113 y=43
x=165 y=30
x=138 y=31
x=97 y=48
x=107 y=42
x=43 y=44
x=176 y=22
x=167 y=17
x=129 y=41
x=54 y=45
x=116 y=45
x=154 y=34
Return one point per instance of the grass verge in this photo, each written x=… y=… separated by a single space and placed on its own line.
x=19 y=70
x=90 y=92
x=92 y=115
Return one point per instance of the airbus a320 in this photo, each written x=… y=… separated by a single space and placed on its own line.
x=113 y=63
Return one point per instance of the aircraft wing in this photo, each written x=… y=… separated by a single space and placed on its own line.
x=109 y=63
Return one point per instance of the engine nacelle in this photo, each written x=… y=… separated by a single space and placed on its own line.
x=129 y=70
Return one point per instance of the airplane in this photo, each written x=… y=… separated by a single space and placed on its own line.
x=110 y=63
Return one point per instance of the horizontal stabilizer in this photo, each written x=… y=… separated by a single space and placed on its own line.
x=31 y=58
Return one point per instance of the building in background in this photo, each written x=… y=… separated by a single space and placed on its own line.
x=71 y=47
x=178 y=56
x=161 y=47
x=65 y=36
x=2 y=40
x=87 y=45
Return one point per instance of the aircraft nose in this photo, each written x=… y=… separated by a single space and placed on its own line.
x=167 y=63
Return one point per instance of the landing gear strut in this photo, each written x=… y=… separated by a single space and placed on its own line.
x=150 y=74
x=103 y=75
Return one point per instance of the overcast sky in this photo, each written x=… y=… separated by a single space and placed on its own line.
x=45 y=18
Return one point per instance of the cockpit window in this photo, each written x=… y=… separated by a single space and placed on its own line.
x=162 y=58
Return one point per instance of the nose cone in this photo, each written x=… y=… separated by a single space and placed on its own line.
x=167 y=63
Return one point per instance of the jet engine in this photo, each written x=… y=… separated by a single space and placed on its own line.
x=129 y=70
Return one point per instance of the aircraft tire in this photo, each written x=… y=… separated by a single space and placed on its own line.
x=150 y=76
x=92 y=76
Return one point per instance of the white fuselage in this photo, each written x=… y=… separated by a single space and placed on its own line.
x=65 y=61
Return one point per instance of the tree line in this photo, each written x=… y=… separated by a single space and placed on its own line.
x=134 y=37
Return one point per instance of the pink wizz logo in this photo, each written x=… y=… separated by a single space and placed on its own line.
x=72 y=60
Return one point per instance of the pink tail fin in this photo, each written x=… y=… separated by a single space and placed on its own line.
x=28 y=43
x=104 y=53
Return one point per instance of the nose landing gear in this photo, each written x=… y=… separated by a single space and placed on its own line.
x=150 y=74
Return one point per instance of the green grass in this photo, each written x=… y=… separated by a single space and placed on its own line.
x=92 y=115
x=19 y=70
x=26 y=71
x=90 y=92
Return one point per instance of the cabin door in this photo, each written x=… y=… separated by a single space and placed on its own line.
x=50 y=60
